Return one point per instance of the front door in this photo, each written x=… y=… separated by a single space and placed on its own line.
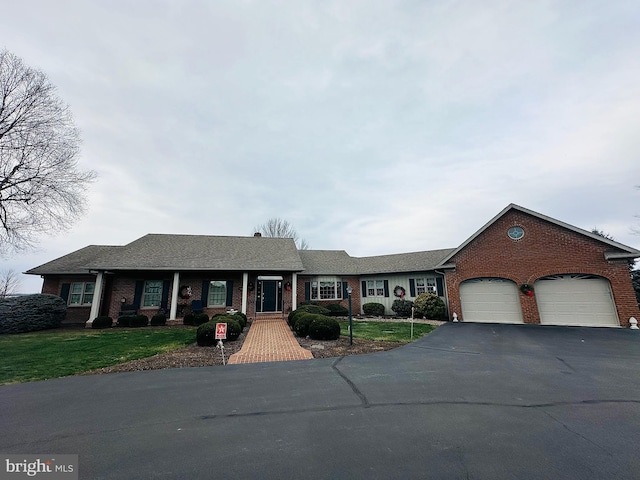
x=269 y=296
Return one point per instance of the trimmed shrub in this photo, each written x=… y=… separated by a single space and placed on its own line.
x=233 y=328
x=200 y=319
x=337 y=310
x=430 y=306
x=244 y=318
x=188 y=319
x=402 y=308
x=303 y=322
x=372 y=308
x=240 y=319
x=158 y=319
x=31 y=312
x=102 y=322
x=125 y=320
x=138 y=321
x=206 y=334
x=306 y=308
x=324 y=328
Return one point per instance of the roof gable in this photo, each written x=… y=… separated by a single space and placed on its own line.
x=622 y=251
x=74 y=262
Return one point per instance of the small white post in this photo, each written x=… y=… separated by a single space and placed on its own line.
x=455 y=317
x=412 y=323
x=633 y=323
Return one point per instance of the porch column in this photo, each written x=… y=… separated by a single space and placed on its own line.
x=97 y=298
x=294 y=291
x=245 y=293
x=174 y=296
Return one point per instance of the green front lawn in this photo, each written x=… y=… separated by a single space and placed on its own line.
x=37 y=356
x=386 y=331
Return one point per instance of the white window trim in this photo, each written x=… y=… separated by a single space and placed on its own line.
x=224 y=299
x=144 y=294
x=375 y=287
x=428 y=288
x=337 y=289
x=83 y=293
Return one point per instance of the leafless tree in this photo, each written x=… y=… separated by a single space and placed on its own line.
x=41 y=187
x=9 y=282
x=280 y=228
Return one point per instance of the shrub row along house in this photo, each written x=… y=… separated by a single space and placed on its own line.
x=521 y=267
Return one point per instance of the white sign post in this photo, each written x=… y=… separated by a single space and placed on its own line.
x=221 y=334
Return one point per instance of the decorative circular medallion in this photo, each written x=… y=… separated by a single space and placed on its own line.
x=515 y=233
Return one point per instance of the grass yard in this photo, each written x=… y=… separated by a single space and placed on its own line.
x=386 y=331
x=37 y=356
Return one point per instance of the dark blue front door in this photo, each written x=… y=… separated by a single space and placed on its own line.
x=269 y=297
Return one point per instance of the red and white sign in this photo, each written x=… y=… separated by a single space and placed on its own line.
x=221 y=331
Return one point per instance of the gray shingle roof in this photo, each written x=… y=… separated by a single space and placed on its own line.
x=402 y=262
x=201 y=252
x=74 y=262
x=338 y=262
x=328 y=262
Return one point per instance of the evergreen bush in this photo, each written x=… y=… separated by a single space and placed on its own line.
x=188 y=319
x=402 y=308
x=125 y=320
x=138 y=321
x=337 y=310
x=303 y=322
x=102 y=322
x=158 y=319
x=31 y=312
x=206 y=334
x=200 y=319
x=372 y=308
x=430 y=306
x=324 y=328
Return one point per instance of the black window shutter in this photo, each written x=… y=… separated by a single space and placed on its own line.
x=386 y=288
x=412 y=287
x=440 y=286
x=229 y=293
x=165 y=294
x=307 y=291
x=64 y=292
x=137 y=296
x=205 y=293
x=345 y=294
x=364 y=288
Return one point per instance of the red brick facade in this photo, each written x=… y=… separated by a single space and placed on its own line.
x=546 y=249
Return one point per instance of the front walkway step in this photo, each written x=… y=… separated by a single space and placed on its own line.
x=269 y=340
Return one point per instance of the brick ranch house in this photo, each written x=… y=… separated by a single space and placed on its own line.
x=521 y=267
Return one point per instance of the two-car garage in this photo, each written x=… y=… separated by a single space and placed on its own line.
x=580 y=300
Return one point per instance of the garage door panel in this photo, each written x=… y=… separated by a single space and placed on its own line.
x=490 y=300
x=575 y=300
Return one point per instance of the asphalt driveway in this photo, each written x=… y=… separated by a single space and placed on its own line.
x=477 y=401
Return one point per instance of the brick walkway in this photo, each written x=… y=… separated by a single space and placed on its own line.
x=269 y=340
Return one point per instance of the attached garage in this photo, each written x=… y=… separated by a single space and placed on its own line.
x=583 y=300
x=494 y=300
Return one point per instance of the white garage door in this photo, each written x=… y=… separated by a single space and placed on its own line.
x=490 y=300
x=575 y=300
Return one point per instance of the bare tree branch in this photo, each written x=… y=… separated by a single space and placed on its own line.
x=279 y=228
x=9 y=282
x=41 y=187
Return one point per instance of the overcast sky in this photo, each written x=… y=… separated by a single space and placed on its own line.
x=375 y=127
